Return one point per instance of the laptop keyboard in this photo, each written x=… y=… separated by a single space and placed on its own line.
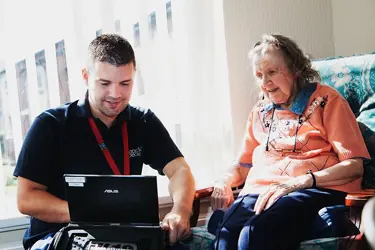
x=111 y=246
x=83 y=243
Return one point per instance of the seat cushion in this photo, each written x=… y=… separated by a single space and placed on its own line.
x=201 y=239
x=331 y=222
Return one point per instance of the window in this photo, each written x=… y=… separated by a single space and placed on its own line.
x=137 y=35
x=139 y=82
x=118 y=27
x=8 y=206
x=62 y=71
x=99 y=33
x=23 y=97
x=42 y=80
x=168 y=8
x=152 y=25
x=178 y=135
x=183 y=80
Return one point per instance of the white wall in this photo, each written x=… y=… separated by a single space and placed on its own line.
x=353 y=26
x=309 y=22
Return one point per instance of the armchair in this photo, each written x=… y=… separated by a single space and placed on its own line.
x=354 y=78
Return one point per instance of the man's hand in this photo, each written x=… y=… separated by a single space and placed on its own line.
x=182 y=189
x=222 y=196
x=178 y=225
x=276 y=191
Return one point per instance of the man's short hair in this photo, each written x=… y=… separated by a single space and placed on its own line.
x=112 y=49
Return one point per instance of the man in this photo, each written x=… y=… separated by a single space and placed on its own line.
x=63 y=140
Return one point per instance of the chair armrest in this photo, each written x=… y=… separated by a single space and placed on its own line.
x=199 y=194
x=358 y=199
x=352 y=199
x=207 y=192
x=203 y=193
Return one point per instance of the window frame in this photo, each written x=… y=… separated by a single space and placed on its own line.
x=12 y=224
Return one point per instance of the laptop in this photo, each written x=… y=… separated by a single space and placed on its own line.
x=114 y=212
x=112 y=199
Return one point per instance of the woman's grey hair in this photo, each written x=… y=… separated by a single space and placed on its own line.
x=297 y=61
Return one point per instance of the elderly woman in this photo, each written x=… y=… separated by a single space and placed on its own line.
x=302 y=151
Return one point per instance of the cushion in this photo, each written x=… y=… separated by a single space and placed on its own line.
x=331 y=221
x=201 y=239
x=354 y=78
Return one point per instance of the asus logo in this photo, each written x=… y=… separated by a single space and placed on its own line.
x=111 y=191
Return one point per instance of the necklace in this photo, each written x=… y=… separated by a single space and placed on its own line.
x=295 y=136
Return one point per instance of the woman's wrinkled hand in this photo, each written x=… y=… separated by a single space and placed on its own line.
x=278 y=190
x=222 y=196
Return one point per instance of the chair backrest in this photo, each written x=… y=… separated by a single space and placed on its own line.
x=354 y=78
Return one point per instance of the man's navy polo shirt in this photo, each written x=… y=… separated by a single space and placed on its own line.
x=60 y=141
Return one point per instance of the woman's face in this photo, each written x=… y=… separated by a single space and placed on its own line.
x=274 y=78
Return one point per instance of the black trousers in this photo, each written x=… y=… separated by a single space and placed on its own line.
x=280 y=227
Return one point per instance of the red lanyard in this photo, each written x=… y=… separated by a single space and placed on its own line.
x=106 y=152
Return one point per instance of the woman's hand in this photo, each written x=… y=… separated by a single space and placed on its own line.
x=276 y=191
x=222 y=196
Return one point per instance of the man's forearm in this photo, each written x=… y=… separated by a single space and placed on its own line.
x=44 y=206
x=182 y=189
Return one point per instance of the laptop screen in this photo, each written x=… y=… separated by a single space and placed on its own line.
x=102 y=199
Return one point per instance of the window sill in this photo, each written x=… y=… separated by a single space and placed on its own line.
x=13 y=224
x=22 y=222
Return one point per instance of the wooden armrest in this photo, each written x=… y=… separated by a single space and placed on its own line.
x=207 y=192
x=358 y=199
x=203 y=193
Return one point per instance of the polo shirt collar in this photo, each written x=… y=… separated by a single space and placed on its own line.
x=301 y=101
x=84 y=111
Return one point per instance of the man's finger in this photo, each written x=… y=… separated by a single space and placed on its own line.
x=164 y=225
x=173 y=233
x=180 y=231
x=172 y=236
x=187 y=231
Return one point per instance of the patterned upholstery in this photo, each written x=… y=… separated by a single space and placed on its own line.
x=201 y=239
x=354 y=78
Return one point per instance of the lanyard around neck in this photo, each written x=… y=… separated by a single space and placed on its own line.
x=106 y=152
